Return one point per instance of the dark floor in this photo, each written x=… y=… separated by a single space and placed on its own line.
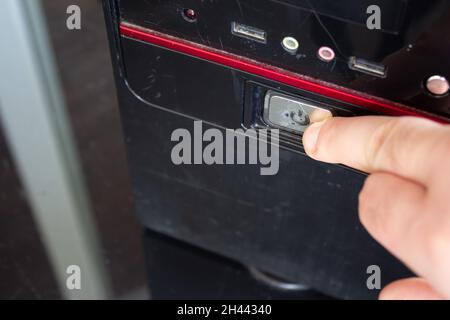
x=86 y=74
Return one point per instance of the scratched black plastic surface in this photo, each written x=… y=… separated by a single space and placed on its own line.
x=301 y=224
x=414 y=42
x=210 y=277
x=182 y=84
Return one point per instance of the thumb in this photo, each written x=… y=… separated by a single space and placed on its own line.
x=410 y=289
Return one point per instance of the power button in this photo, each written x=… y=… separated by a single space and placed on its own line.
x=292 y=114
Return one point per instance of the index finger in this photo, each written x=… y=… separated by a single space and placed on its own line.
x=406 y=146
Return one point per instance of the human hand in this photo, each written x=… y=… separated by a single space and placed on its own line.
x=405 y=201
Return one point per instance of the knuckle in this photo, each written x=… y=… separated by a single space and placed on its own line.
x=364 y=205
x=376 y=214
x=368 y=205
x=437 y=242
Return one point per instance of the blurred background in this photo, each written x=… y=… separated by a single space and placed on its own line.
x=85 y=73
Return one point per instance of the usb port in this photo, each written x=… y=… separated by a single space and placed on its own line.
x=247 y=32
x=367 y=67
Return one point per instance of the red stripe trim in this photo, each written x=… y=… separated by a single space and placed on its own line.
x=269 y=72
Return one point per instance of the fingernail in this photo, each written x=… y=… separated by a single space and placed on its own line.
x=310 y=137
x=320 y=115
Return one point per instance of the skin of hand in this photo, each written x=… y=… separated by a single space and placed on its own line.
x=405 y=201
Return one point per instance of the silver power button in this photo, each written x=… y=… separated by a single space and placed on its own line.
x=292 y=114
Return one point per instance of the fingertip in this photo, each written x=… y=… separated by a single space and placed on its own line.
x=310 y=138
